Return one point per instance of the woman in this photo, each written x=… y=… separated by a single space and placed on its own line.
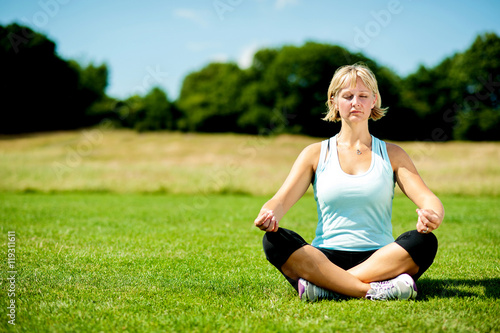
x=353 y=176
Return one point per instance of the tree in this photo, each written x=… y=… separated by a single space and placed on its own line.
x=459 y=98
x=210 y=98
x=477 y=93
x=149 y=113
x=285 y=90
x=299 y=79
x=293 y=85
x=156 y=113
x=428 y=92
x=38 y=90
x=257 y=98
x=92 y=83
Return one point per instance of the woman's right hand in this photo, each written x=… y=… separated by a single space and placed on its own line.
x=294 y=187
x=266 y=221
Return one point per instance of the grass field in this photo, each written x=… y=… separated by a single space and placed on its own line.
x=139 y=263
x=127 y=162
x=116 y=244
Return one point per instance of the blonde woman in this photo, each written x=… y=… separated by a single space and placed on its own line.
x=353 y=175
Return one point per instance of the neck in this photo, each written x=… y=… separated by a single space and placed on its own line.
x=354 y=136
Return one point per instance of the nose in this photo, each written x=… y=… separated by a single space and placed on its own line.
x=355 y=101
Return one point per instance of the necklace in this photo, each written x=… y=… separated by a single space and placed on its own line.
x=358 y=151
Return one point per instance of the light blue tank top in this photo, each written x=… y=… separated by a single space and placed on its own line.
x=354 y=211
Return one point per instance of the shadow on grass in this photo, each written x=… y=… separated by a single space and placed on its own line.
x=460 y=288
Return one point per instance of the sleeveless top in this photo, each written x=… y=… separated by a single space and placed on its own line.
x=354 y=211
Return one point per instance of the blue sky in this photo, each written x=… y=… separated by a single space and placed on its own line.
x=151 y=42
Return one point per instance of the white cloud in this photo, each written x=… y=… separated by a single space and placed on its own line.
x=191 y=15
x=246 y=56
x=280 y=4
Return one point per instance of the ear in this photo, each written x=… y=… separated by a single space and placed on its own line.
x=374 y=101
x=334 y=102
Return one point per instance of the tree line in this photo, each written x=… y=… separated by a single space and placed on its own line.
x=283 y=91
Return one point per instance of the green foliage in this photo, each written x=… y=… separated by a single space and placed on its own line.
x=477 y=73
x=298 y=81
x=187 y=263
x=482 y=124
x=39 y=90
x=459 y=98
x=92 y=83
x=93 y=79
x=284 y=91
x=257 y=98
x=210 y=98
x=151 y=112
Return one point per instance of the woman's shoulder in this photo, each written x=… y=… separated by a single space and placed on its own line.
x=310 y=154
x=312 y=151
x=313 y=148
x=393 y=148
x=397 y=155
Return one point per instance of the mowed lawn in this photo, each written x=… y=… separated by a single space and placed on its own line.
x=140 y=263
x=149 y=258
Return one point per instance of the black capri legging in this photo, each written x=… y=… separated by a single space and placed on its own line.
x=279 y=246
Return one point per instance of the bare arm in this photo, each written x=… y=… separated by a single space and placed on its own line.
x=294 y=187
x=430 y=209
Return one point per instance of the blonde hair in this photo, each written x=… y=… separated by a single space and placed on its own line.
x=350 y=73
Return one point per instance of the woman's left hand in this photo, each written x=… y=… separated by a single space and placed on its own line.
x=267 y=221
x=428 y=220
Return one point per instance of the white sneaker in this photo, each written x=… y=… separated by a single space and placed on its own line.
x=313 y=293
x=402 y=287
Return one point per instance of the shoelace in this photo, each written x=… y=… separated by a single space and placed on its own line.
x=384 y=290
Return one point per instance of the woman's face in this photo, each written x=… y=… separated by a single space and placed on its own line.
x=355 y=104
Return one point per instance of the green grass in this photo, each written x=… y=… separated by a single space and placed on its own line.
x=140 y=263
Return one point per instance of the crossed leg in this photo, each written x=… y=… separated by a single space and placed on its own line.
x=312 y=265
